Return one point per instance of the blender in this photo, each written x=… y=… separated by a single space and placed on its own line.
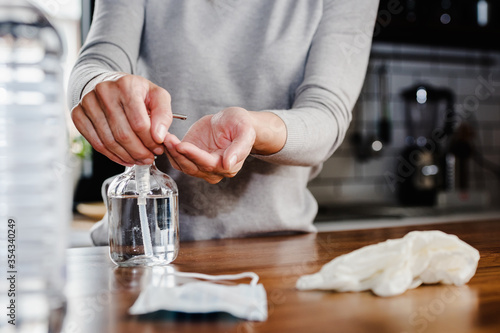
x=429 y=121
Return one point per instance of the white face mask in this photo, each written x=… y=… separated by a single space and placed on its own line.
x=178 y=291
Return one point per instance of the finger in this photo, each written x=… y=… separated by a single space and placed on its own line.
x=213 y=179
x=210 y=165
x=85 y=127
x=204 y=160
x=124 y=140
x=95 y=114
x=239 y=149
x=173 y=162
x=133 y=104
x=209 y=177
x=119 y=125
x=171 y=139
x=158 y=104
x=184 y=164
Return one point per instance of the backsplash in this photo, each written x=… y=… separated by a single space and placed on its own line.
x=352 y=176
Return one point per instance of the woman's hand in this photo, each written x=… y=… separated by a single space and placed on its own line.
x=216 y=146
x=127 y=119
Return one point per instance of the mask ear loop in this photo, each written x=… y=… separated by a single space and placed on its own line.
x=252 y=275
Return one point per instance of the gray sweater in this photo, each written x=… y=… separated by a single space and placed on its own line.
x=304 y=60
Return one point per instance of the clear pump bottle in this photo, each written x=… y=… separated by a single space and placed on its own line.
x=143 y=217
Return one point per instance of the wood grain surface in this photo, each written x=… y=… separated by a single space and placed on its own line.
x=100 y=294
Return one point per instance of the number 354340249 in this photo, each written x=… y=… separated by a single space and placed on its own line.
x=11 y=246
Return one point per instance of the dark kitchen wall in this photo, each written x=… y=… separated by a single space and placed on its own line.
x=471 y=24
x=446 y=45
x=357 y=174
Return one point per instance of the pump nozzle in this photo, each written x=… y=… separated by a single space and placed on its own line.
x=143 y=188
x=142 y=182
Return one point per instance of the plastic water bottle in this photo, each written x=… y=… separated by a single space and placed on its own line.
x=35 y=194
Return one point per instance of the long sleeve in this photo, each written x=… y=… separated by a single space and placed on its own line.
x=113 y=44
x=304 y=60
x=334 y=74
x=320 y=112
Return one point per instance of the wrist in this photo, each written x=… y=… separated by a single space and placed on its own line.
x=106 y=76
x=270 y=133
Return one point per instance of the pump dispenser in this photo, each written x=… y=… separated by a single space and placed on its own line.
x=143 y=217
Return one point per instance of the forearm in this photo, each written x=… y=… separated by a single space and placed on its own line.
x=112 y=45
x=270 y=133
x=317 y=121
x=312 y=133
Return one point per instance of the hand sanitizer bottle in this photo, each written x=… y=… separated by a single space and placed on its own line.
x=143 y=217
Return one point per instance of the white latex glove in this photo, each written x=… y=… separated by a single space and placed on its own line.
x=390 y=268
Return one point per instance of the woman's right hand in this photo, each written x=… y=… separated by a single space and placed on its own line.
x=126 y=119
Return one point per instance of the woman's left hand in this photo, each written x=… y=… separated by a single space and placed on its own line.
x=215 y=146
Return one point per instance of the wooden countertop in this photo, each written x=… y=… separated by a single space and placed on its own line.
x=99 y=294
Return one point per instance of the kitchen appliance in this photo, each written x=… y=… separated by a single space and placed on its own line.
x=367 y=146
x=429 y=121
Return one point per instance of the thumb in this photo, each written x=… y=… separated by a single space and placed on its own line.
x=239 y=148
x=158 y=103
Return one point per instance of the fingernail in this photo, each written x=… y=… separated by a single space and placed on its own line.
x=147 y=161
x=161 y=131
x=158 y=151
x=232 y=161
